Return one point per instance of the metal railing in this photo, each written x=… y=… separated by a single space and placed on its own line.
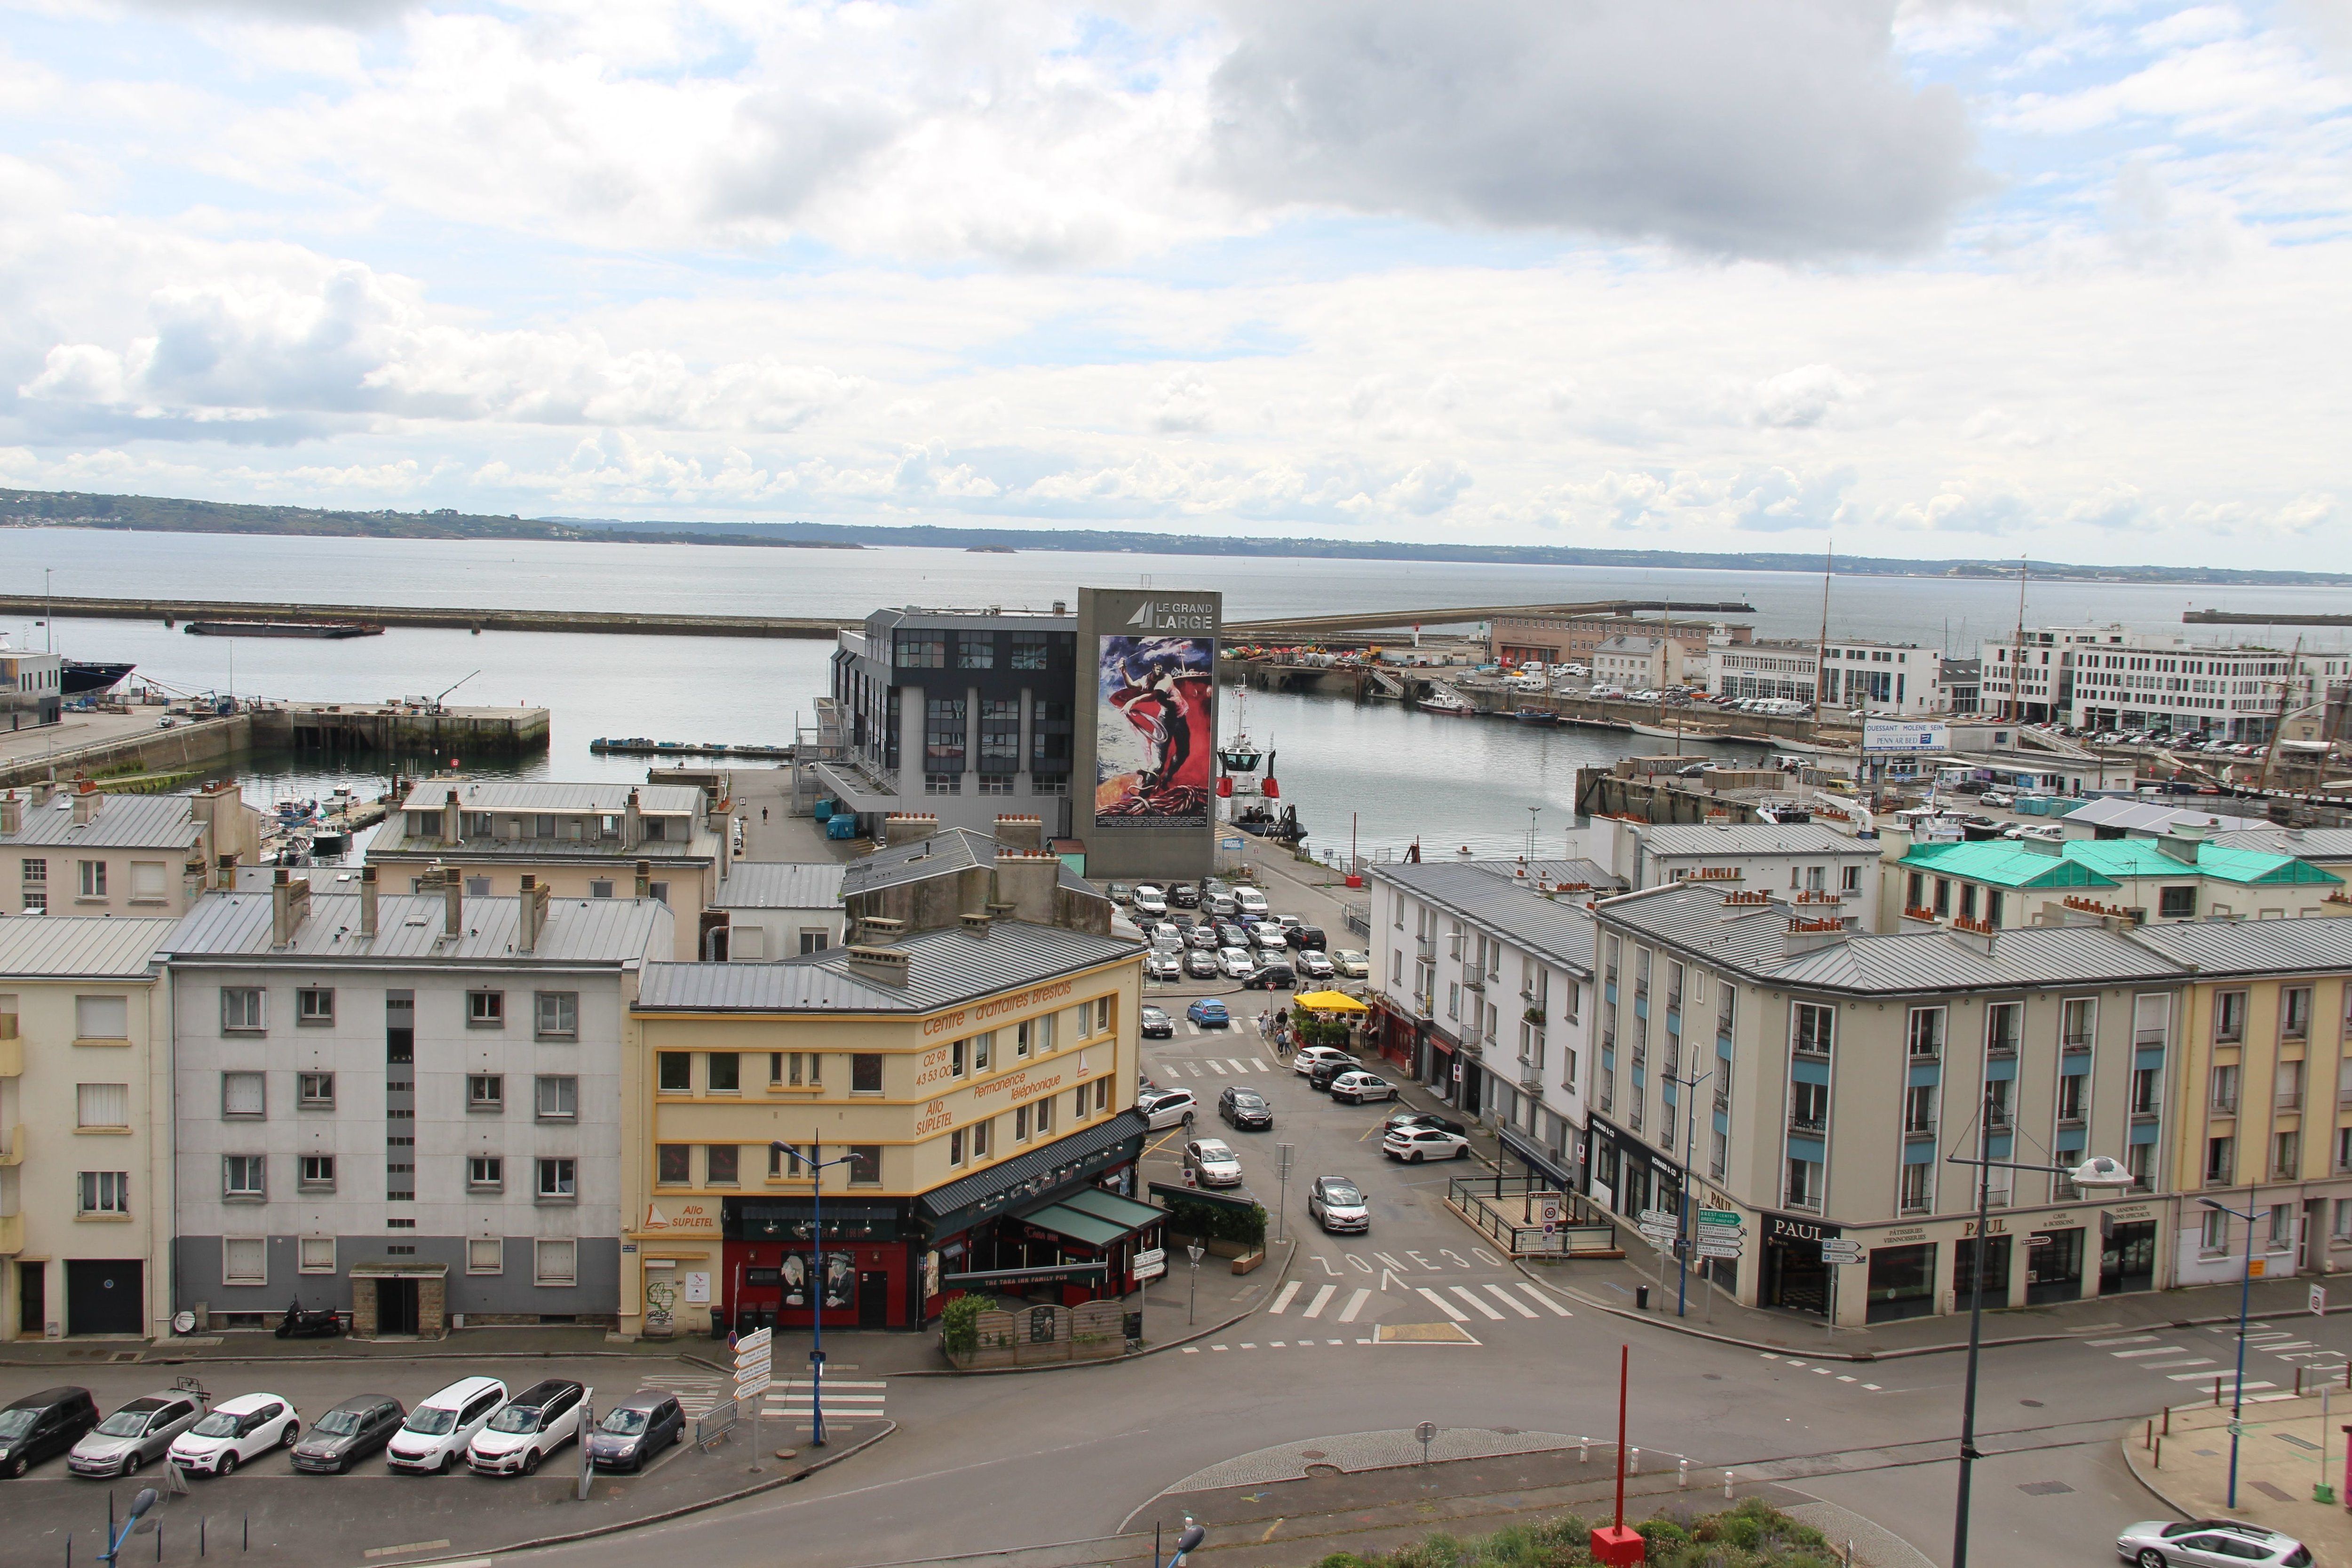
x=1509 y=1211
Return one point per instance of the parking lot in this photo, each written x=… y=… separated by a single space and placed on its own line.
x=371 y=1514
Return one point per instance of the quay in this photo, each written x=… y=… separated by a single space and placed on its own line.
x=136 y=746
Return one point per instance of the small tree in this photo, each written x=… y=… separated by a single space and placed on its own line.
x=959 y=1325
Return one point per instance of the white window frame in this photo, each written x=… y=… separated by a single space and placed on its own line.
x=245 y=1009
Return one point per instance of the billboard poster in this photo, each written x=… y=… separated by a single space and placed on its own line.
x=1155 y=731
x=1889 y=735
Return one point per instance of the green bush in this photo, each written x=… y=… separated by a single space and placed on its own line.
x=1218 y=1222
x=960 y=1324
x=1753 y=1535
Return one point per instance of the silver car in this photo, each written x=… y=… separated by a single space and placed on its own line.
x=2209 y=1543
x=1235 y=964
x=138 y=1434
x=1339 y=1203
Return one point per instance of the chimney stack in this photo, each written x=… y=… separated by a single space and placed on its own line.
x=2183 y=841
x=289 y=905
x=453 y=901
x=84 y=802
x=535 y=895
x=645 y=877
x=225 y=873
x=631 y=822
x=449 y=818
x=12 y=813
x=367 y=900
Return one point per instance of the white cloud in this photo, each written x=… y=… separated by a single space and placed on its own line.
x=1800 y=398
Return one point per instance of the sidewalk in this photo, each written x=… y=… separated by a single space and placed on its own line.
x=2280 y=1460
x=1608 y=1286
x=261 y=1344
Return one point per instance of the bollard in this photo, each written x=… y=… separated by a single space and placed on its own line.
x=1635 y=1467
x=158 y=1540
x=1727 y=1486
x=2157 y=1463
x=2216 y=1392
x=1682 y=1476
x=2298 y=1382
x=248 y=1533
x=2167 y=1420
x=200 y=1535
x=2147 y=1438
x=109 y=1519
x=1584 y=1450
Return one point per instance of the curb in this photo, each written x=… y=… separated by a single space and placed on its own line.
x=2132 y=1464
x=151 y=1358
x=542 y=1542
x=1280 y=1275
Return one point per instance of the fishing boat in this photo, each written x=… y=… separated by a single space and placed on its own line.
x=1540 y=718
x=79 y=678
x=328 y=631
x=1444 y=700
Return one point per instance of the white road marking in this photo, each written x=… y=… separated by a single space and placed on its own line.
x=1446 y=1306
x=1472 y=1296
x=2159 y=1349
x=1872 y=1386
x=1845 y=1377
x=1322 y=1298
x=2291 y=1345
x=1257 y=1066
x=1513 y=1302
x=1217 y=1066
x=2192 y=1360
x=1355 y=1305
x=1542 y=1299
x=1216 y=1347
x=1191 y=1028
x=1282 y=1297
x=2201 y=1377
x=1237 y=1064
x=1191 y=1350
x=2126 y=1340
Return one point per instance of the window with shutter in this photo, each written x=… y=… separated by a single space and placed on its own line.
x=244 y=1094
x=103 y=1104
x=244 y=1260
x=102 y=1017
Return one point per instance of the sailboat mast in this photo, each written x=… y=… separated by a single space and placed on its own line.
x=1822 y=649
x=2017 y=652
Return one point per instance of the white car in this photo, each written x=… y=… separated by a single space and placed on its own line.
x=1236 y=962
x=1315 y=965
x=1416 y=1144
x=1249 y=900
x=527 y=1429
x=1166 y=1107
x=435 y=1436
x=1351 y=964
x=1212 y=1162
x=1355 y=1088
x=1267 y=937
x=1164 y=966
x=237 y=1431
x=1305 y=1059
x=1149 y=900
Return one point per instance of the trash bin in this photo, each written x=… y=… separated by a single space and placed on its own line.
x=1641 y=1297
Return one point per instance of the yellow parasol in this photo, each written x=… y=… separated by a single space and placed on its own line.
x=1331 y=1001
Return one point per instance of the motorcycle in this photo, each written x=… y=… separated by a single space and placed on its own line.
x=309 y=1324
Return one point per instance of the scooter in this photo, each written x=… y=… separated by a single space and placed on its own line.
x=309 y=1324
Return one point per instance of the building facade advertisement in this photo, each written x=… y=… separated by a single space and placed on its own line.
x=1888 y=735
x=1155 y=731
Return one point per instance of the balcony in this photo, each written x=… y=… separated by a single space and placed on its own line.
x=12 y=1233
x=2288 y=1099
x=1474 y=982
x=2072 y=1042
x=2002 y=1050
x=12 y=1048
x=1918 y=1130
x=1813 y=1126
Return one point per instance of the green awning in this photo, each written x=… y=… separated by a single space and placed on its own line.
x=1082 y=1229
x=1125 y=1213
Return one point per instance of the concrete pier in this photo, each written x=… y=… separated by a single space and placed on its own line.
x=397 y=730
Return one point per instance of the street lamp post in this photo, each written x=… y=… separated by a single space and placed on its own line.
x=1683 y=1239
x=2245 y=1292
x=2097 y=1173
x=813 y=1159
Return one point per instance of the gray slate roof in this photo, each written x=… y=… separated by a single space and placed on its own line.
x=1561 y=932
x=1575 y=869
x=541 y=794
x=1755 y=838
x=2254 y=947
x=122 y=821
x=2152 y=816
x=2311 y=844
x=38 y=947
x=408 y=930
x=946 y=967
x=1752 y=939
x=781 y=885
x=949 y=850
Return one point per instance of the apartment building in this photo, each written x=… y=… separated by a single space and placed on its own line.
x=1899 y=680
x=577 y=840
x=1638 y=663
x=85 y=1127
x=959 y=1095
x=1788 y=671
x=2107 y=677
x=81 y=851
x=405 y=1105
x=2178 y=875
x=1575 y=638
x=777 y=910
x=1835 y=1069
x=1481 y=985
x=1812 y=863
x=32 y=688
x=2264 y=1092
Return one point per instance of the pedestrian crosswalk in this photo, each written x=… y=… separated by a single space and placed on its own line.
x=1477 y=1300
x=697 y=1395
x=1213 y=1066
x=845 y=1399
x=2212 y=1363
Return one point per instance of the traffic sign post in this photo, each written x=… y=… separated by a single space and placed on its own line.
x=1836 y=1252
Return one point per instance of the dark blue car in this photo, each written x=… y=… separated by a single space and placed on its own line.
x=1210 y=1014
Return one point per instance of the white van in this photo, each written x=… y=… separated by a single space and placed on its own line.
x=438 y=1431
x=1249 y=900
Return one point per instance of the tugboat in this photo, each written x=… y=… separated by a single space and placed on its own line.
x=1248 y=796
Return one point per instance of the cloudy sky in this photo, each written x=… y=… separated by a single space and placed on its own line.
x=1935 y=276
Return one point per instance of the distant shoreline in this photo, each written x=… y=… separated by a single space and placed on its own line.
x=67 y=509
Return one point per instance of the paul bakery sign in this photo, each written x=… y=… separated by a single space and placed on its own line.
x=1799 y=1232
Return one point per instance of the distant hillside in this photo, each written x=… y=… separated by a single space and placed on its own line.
x=57 y=509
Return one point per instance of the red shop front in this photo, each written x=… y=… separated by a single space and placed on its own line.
x=1396 y=1037
x=777 y=1271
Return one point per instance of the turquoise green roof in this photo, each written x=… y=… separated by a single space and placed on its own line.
x=2001 y=864
x=2141 y=857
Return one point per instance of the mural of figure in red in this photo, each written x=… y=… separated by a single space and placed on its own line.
x=1155 y=734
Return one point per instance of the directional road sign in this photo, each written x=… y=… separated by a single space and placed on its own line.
x=1721 y=1219
x=1839 y=1250
x=1659 y=1217
x=1720 y=1249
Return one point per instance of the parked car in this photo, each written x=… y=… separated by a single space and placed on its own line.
x=1337 y=1204
x=435 y=1436
x=1185 y=895
x=1167 y=1108
x=40 y=1425
x=1411 y=1119
x=1236 y=962
x=2160 y=1543
x=237 y=1432
x=1212 y=1162
x=1249 y=901
x=1305 y=1059
x=525 y=1429
x=1157 y=1024
x=1200 y=965
x=1414 y=1144
x=1210 y=1014
x=1352 y=963
x=1203 y=935
x=1267 y=937
x=1305 y=937
x=635 y=1430
x=1271 y=977
x=1221 y=905
x=1313 y=964
x=1245 y=1109
x=1148 y=900
x=1120 y=893
x=349 y=1432
x=139 y=1434
x=1162 y=965
x=1323 y=1074
x=1356 y=1088
x=1232 y=933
